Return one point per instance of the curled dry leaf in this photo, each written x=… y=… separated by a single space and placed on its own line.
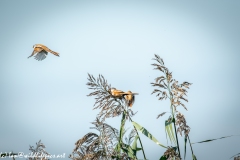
x=161 y=115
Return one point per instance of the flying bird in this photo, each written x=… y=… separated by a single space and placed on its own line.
x=128 y=96
x=40 y=51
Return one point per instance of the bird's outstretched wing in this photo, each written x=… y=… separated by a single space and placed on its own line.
x=41 y=55
x=35 y=51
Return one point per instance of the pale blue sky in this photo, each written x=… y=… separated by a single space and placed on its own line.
x=199 y=42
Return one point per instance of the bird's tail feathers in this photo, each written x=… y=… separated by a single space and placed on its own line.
x=55 y=53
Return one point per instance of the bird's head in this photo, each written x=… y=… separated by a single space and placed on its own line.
x=132 y=93
x=37 y=45
x=112 y=89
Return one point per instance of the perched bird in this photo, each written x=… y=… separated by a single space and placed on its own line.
x=128 y=96
x=41 y=52
x=117 y=93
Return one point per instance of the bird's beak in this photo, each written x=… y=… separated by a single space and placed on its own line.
x=135 y=93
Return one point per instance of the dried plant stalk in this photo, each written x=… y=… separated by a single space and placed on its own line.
x=111 y=106
x=38 y=153
x=93 y=146
x=167 y=83
x=237 y=158
x=176 y=94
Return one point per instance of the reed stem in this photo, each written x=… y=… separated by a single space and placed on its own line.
x=136 y=132
x=173 y=118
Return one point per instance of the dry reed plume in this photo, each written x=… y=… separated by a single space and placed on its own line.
x=168 y=88
x=110 y=106
x=98 y=147
x=38 y=151
x=171 y=154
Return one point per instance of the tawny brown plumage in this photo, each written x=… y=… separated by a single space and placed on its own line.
x=128 y=96
x=117 y=93
x=40 y=51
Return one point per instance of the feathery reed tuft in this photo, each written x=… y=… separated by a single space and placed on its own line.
x=38 y=152
x=93 y=146
x=167 y=83
x=168 y=88
x=110 y=106
x=181 y=122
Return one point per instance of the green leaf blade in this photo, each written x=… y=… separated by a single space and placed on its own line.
x=147 y=134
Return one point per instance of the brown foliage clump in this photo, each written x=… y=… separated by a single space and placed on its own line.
x=93 y=146
x=181 y=122
x=170 y=154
